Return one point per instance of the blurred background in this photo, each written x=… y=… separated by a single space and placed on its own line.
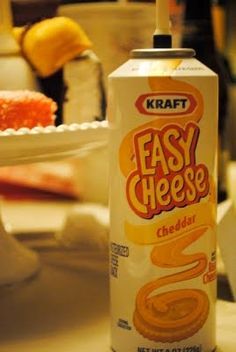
x=28 y=11
x=115 y=28
x=60 y=209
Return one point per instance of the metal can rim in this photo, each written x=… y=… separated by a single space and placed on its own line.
x=162 y=53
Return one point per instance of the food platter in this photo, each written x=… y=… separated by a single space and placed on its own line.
x=50 y=143
x=33 y=145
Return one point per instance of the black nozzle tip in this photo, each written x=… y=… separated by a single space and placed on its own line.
x=162 y=41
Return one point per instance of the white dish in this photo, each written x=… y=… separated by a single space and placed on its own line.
x=50 y=143
x=42 y=216
x=29 y=146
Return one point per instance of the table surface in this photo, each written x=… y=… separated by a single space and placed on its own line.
x=59 y=310
x=65 y=307
x=67 y=310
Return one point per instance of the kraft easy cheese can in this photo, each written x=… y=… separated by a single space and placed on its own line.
x=163 y=141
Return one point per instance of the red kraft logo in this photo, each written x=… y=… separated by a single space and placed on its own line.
x=166 y=104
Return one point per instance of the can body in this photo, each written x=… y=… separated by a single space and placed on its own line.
x=163 y=142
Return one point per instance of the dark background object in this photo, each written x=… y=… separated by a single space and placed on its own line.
x=83 y=1
x=30 y=11
x=198 y=34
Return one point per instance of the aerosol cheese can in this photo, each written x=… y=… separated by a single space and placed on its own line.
x=163 y=112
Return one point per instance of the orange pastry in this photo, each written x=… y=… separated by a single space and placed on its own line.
x=50 y=43
x=25 y=109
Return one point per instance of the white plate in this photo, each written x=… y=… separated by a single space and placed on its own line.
x=50 y=143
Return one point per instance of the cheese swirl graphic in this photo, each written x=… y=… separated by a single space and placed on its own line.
x=177 y=314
